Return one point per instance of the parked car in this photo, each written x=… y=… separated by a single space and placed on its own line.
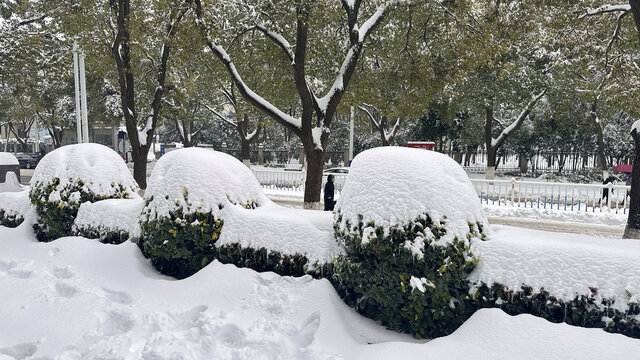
x=27 y=161
x=336 y=171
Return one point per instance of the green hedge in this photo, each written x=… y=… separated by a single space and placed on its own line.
x=375 y=277
x=583 y=310
x=183 y=243
x=106 y=236
x=56 y=217
x=10 y=220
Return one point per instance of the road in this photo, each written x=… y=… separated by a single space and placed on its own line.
x=546 y=225
x=536 y=224
x=25 y=176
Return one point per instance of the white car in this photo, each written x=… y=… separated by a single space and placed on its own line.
x=336 y=171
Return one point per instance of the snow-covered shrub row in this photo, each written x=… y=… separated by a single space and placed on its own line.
x=14 y=207
x=407 y=218
x=112 y=221
x=202 y=205
x=577 y=279
x=583 y=310
x=71 y=175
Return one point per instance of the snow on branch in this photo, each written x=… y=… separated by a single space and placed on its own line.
x=518 y=121
x=390 y=135
x=222 y=117
x=278 y=40
x=249 y=94
x=605 y=9
x=350 y=60
x=372 y=22
x=370 y=115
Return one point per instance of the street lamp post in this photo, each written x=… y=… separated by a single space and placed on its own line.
x=82 y=123
x=77 y=89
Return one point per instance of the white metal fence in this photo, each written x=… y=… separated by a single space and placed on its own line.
x=523 y=194
x=285 y=180
x=548 y=195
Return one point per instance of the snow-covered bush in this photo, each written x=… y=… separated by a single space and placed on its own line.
x=14 y=206
x=579 y=280
x=71 y=175
x=583 y=310
x=202 y=205
x=113 y=221
x=407 y=218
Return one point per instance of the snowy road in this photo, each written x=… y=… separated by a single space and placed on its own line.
x=557 y=226
x=609 y=231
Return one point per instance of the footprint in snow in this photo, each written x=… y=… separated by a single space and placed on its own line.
x=115 y=322
x=20 y=351
x=14 y=269
x=65 y=290
x=119 y=297
x=306 y=334
x=230 y=335
x=63 y=273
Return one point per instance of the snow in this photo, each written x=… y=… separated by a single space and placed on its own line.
x=11 y=183
x=263 y=103
x=142 y=135
x=316 y=133
x=395 y=185
x=8 y=159
x=636 y=126
x=96 y=165
x=276 y=228
x=604 y=218
x=116 y=215
x=420 y=283
x=565 y=265
x=606 y=8
x=212 y=178
x=370 y=22
x=16 y=203
x=338 y=83
x=78 y=299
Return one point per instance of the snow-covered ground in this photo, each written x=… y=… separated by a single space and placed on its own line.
x=76 y=298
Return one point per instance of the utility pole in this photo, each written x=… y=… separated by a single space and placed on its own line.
x=83 y=94
x=77 y=89
x=351 y=135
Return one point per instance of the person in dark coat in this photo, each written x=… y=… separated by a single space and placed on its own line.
x=328 y=194
x=605 y=191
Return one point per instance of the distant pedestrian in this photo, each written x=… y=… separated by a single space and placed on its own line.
x=605 y=191
x=328 y=194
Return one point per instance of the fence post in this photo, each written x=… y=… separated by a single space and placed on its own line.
x=610 y=186
x=513 y=189
x=260 y=153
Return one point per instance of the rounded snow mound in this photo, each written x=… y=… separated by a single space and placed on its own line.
x=394 y=186
x=207 y=178
x=97 y=166
x=103 y=217
x=8 y=159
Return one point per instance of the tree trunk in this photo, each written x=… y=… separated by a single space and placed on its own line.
x=140 y=166
x=245 y=151
x=488 y=139
x=602 y=159
x=632 y=230
x=313 y=183
x=381 y=129
x=523 y=164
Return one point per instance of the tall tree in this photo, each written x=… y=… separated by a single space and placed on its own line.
x=317 y=113
x=620 y=11
x=508 y=72
x=170 y=18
